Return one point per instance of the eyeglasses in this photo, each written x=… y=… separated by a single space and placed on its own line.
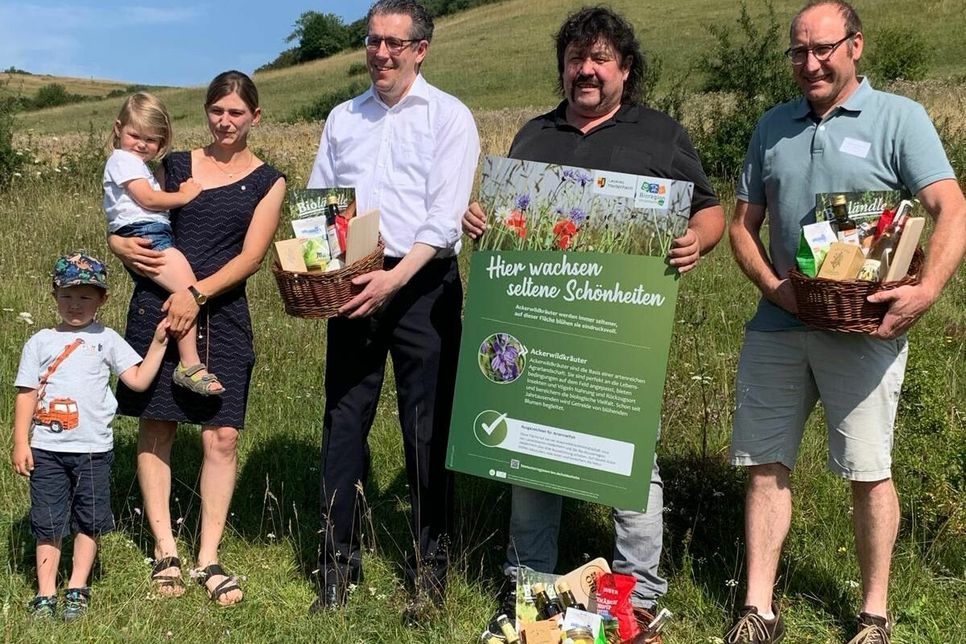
x=798 y=55
x=394 y=45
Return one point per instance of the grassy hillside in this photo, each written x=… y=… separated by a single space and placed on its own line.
x=28 y=84
x=501 y=55
x=272 y=531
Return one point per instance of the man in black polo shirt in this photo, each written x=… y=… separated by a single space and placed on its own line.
x=601 y=124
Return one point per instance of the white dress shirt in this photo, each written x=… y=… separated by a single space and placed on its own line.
x=414 y=161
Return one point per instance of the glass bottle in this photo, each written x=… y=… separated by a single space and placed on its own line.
x=509 y=633
x=876 y=264
x=566 y=596
x=846 y=229
x=546 y=607
x=331 y=232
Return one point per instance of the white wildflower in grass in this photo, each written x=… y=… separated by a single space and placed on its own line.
x=270 y=535
x=25 y=317
x=852 y=583
x=502 y=213
x=731 y=583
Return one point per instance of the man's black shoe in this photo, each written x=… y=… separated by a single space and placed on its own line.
x=426 y=601
x=333 y=593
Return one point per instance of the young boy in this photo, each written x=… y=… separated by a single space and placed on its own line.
x=64 y=394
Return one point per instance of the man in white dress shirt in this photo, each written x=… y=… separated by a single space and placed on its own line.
x=411 y=151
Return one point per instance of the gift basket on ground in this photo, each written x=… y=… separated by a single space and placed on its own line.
x=860 y=245
x=331 y=247
x=588 y=605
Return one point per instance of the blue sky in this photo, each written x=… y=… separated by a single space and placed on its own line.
x=177 y=42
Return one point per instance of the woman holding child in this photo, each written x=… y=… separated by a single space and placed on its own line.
x=224 y=233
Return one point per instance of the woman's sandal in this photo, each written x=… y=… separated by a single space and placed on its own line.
x=187 y=377
x=171 y=585
x=202 y=575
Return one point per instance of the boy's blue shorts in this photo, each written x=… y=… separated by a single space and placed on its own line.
x=70 y=493
x=159 y=233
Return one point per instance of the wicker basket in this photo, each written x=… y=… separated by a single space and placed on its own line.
x=842 y=306
x=320 y=294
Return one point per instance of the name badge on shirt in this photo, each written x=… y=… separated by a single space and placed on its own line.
x=855 y=147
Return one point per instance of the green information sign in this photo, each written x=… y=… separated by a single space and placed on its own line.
x=564 y=352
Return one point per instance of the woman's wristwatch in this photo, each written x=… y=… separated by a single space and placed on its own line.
x=200 y=298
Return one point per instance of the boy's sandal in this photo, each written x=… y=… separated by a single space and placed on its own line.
x=165 y=582
x=187 y=377
x=202 y=575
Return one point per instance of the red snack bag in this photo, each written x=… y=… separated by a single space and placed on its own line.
x=885 y=219
x=614 y=600
x=341 y=229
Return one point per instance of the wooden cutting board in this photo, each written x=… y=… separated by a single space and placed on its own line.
x=902 y=256
x=362 y=237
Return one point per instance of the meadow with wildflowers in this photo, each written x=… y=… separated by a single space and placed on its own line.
x=540 y=206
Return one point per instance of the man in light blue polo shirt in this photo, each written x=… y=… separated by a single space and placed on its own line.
x=841 y=136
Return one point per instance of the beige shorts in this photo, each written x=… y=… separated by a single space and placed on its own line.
x=782 y=374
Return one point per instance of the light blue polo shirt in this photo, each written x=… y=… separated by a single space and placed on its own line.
x=873 y=141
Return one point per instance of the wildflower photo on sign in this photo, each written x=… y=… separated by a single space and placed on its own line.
x=541 y=206
x=502 y=358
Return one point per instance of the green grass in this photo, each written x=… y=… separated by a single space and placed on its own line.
x=272 y=534
x=501 y=55
x=498 y=58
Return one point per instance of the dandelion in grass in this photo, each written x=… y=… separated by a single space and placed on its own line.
x=501 y=358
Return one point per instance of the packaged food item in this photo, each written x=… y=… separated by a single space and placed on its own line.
x=842 y=262
x=546 y=631
x=315 y=248
x=315 y=253
x=614 y=601
x=578 y=635
x=813 y=246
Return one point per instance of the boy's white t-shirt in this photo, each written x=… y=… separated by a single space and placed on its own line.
x=79 y=391
x=119 y=208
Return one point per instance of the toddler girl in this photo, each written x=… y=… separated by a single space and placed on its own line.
x=136 y=206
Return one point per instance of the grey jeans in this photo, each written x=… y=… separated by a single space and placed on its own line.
x=535 y=526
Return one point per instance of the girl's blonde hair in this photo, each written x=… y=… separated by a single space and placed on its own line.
x=146 y=112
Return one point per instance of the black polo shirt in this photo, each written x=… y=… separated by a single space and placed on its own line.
x=636 y=140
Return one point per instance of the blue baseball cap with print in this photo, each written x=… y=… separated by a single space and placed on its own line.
x=80 y=269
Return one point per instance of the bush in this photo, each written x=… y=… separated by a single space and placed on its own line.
x=54 y=94
x=319 y=110
x=355 y=69
x=10 y=161
x=897 y=53
x=753 y=68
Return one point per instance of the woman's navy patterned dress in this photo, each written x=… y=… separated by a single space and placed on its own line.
x=209 y=231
